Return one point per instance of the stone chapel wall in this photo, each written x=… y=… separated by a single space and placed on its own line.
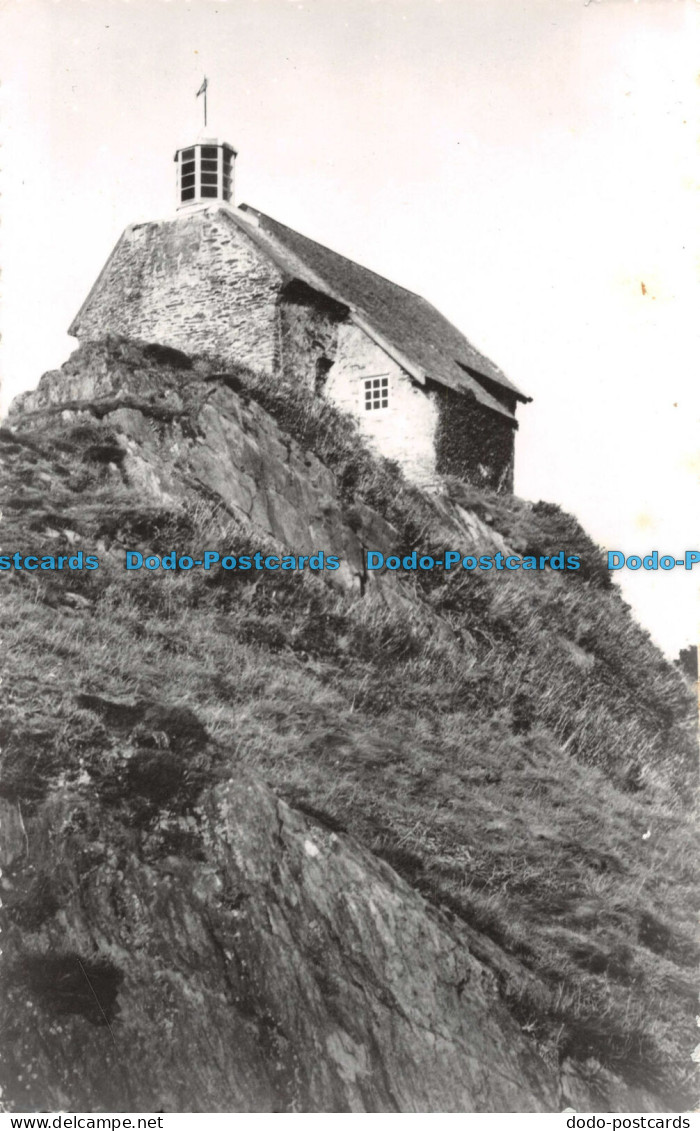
x=196 y=283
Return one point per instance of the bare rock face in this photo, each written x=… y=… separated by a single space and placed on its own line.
x=190 y=429
x=274 y=965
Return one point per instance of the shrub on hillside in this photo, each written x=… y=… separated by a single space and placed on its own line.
x=548 y=529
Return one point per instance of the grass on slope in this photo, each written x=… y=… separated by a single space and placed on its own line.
x=513 y=745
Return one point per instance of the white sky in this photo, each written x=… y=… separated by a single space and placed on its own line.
x=526 y=165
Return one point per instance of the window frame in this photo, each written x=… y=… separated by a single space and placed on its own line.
x=205 y=173
x=375 y=393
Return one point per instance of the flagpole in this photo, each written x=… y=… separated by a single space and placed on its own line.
x=203 y=90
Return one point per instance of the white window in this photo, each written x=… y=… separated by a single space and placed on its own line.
x=376 y=393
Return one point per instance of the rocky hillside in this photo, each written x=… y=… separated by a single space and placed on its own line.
x=322 y=842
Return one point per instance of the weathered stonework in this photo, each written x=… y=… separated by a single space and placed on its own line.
x=308 y=328
x=196 y=283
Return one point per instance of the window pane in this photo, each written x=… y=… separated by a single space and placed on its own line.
x=209 y=151
x=209 y=178
x=187 y=181
x=208 y=191
x=210 y=166
x=188 y=167
x=188 y=155
x=187 y=194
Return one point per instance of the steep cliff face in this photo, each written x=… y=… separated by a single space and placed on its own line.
x=322 y=844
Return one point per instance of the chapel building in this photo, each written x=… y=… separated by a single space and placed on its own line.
x=234 y=283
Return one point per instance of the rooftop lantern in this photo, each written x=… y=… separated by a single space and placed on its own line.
x=205 y=169
x=205 y=172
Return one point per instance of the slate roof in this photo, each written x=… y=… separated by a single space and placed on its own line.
x=421 y=337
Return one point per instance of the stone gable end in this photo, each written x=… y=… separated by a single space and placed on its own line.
x=196 y=283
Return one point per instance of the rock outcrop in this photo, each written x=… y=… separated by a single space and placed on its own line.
x=192 y=430
x=274 y=966
x=270 y=847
